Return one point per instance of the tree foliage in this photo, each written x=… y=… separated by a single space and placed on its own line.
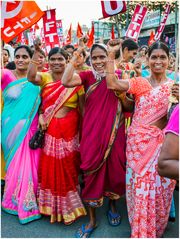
x=124 y=19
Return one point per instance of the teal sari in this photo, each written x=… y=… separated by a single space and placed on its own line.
x=21 y=102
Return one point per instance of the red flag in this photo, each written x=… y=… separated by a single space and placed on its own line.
x=69 y=37
x=151 y=38
x=112 y=32
x=17 y=16
x=91 y=37
x=79 y=32
x=110 y=8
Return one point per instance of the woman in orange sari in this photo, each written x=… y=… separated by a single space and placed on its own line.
x=148 y=195
x=59 y=163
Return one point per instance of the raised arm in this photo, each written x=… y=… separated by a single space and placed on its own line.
x=70 y=78
x=111 y=78
x=32 y=75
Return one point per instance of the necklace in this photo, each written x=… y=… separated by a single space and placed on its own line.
x=155 y=83
x=18 y=76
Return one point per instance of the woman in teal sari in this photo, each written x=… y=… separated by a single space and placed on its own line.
x=19 y=123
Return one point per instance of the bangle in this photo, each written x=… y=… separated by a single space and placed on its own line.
x=112 y=73
x=73 y=63
x=34 y=62
x=112 y=61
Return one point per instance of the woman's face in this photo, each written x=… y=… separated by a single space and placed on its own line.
x=143 y=52
x=5 y=56
x=22 y=59
x=158 y=61
x=99 y=58
x=57 y=63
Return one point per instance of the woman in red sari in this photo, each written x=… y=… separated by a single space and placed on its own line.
x=102 y=144
x=59 y=163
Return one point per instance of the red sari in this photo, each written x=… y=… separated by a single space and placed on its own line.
x=59 y=163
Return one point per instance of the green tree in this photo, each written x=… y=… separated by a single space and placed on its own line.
x=122 y=20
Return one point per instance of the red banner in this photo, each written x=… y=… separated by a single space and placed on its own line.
x=50 y=29
x=110 y=8
x=17 y=16
x=162 y=24
x=136 y=22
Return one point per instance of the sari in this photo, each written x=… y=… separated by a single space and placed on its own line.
x=102 y=144
x=58 y=193
x=148 y=195
x=19 y=123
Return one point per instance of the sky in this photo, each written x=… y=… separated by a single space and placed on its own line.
x=73 y=11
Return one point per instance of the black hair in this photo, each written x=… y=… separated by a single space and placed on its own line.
x=56 y=50
x=83 y=52
x=11 y=65
x=158 y=45
x=68 y=46
x=27 y=48
x=40 y=51
x=98 y=45
x=130 y=44
x=7 y=51
x=143 y=46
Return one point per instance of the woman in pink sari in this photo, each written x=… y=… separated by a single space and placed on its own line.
x=102 y=145
x=148 y=195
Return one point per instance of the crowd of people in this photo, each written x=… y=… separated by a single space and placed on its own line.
x=110 y=120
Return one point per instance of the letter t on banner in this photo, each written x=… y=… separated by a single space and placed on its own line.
x=50 y=29
x=136 y=22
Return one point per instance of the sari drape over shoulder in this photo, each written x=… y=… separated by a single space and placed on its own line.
x=19 y=123
x=148 y=195
x=102 y=145
x=59 y=164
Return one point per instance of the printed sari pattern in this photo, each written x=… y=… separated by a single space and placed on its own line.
x=148 y=195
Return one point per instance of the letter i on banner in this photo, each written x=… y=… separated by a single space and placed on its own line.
x=50 y=29
x=136 y=22
x=163 y=23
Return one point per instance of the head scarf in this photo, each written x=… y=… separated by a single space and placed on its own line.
x=98 y=76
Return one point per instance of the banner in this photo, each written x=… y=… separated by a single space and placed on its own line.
x=17 y=16
x=50 y=29
x=69 y=35
x=60 y=32
x=110 y=8
x=162 y=24
x=136 y=22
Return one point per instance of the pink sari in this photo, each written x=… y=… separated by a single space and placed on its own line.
x=102 y=130
x=148 y=195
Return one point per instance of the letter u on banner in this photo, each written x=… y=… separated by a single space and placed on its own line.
x=110 y=8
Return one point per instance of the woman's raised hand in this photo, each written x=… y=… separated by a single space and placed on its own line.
x=37 y=44
x=113 y=46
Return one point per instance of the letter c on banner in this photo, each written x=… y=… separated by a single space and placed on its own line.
x=9 y=14
x=109 y=10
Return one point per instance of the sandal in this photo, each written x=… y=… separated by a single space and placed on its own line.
x=114 y=219
x=82 y=231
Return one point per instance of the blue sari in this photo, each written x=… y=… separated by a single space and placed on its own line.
x=21 y=102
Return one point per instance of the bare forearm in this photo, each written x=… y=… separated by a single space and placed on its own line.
x=32 y=69
x=169 y=168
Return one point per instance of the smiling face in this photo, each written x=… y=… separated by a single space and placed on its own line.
x=158 y=61
x=99 y=58
x=22 y=59
x=57 y=63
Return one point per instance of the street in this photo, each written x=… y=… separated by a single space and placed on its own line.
x=11 y=228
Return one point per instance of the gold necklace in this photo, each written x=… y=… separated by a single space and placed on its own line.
x=17 y=75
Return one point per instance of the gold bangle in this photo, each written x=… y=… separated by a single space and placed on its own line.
x=34 y=62
x=112 y=61
x=112 y=73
